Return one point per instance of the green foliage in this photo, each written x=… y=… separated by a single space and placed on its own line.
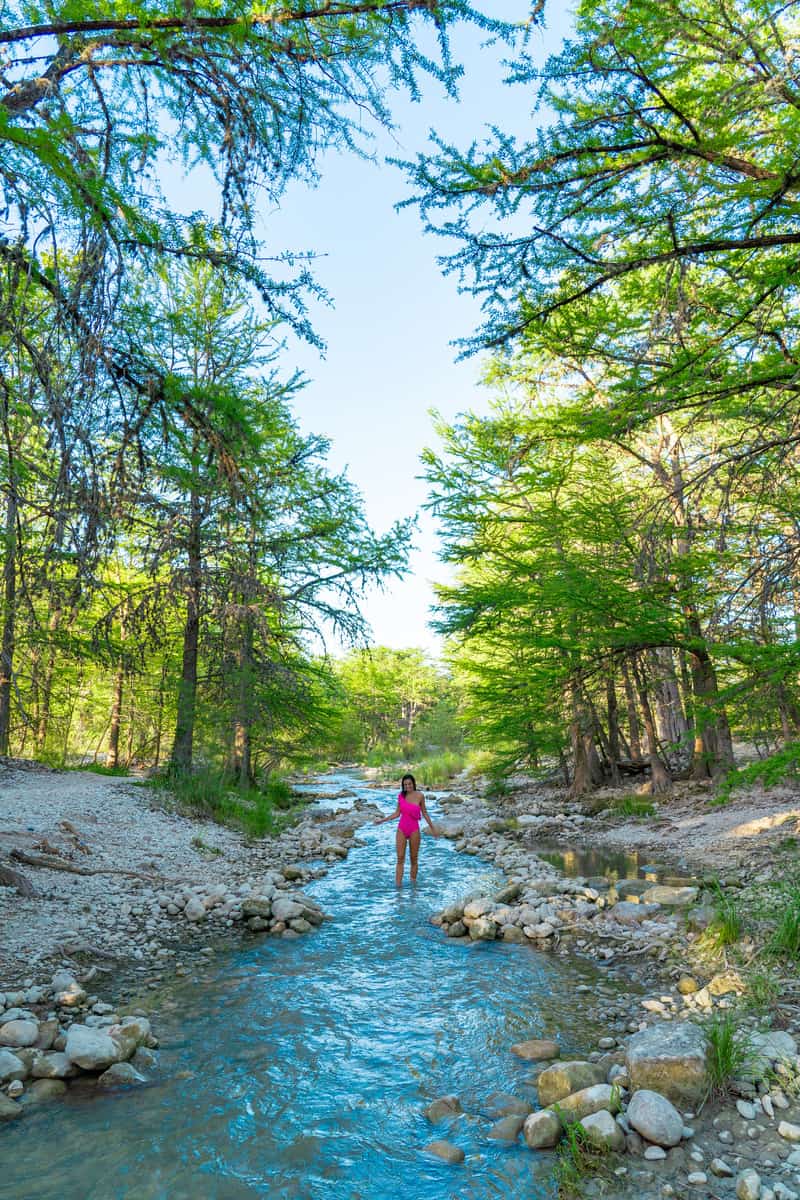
x=257 y=811
x=577 y=1161
x=784 y=942
x=394 y=706
x=726 y=928
x=763 y=990
x=728 y=1050
x=769 y=772
x=633 y=806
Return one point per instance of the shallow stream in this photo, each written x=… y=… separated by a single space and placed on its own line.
x=299 y=1070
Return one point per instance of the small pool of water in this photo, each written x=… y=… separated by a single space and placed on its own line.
x=299 y=1070
x=612 y=864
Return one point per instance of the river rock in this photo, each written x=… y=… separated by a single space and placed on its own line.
x=628 y=912
x=482 y=929
x=726 y=982
x=19 y=1033
x=652 y=1115
x=542 y=1130
x=477 y=908
x=91 y=1049
x=70 y=996
x=586 y=1101
x=565 y=1078
x=602 y=1130
x=286 y=910
x=788 y=1131
x=512 y=933
x=676 y=896
x=501 y=1104
x=55 y=1065
x=446 y=1151
x=195 y=910
x=687 y=985
x=536 y=1050
x=9 y=1110
x=120 y=1075
x=11 y=1067
x=506 y=1129
x=42 y=1090
x=669 y=1058
x=457 y=929
x=774 y=1045
x=48 y=1032
x=748 y=1185
x=257 y=906
x=443 y=1109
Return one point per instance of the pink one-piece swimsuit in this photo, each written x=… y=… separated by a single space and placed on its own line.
x=409 y=816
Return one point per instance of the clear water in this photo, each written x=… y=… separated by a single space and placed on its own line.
x=300 y=1069
x=613 y=864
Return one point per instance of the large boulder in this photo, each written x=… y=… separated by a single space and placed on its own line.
x=257 y=906
x=670 y=1059
x=542 y=1130
x=19 y=1033
x=652 y=1115
x=628 y=912
x=506 y=1129
x=91 y=1049
x=585 y=1102
x=564 y=1078
x=284 y=909
x=55 y=1065
x=482 y=929
x=603 y=1131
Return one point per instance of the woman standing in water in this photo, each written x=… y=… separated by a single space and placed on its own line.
x=410 y=806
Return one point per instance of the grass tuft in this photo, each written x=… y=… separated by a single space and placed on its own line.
x=577 y=1161
x=633 y=806
x=769 y=772
x=785 y=939
x=728 y=1051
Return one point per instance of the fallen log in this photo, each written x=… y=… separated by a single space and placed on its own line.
x=59 y=864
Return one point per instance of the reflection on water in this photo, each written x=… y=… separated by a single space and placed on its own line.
x=612 y=864
x=301 y=1068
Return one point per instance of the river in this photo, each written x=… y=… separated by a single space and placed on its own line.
x=299 y=1070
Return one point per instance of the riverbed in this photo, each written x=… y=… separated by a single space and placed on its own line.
x=302 y=1068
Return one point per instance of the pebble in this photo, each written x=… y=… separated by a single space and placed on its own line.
x=654 y=1153
x=748 y=1185
x=446 y=1151
x=788 y=1131
x=697 y=1177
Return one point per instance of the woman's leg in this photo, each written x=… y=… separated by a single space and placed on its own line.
x=413 y=844
x=400 y=843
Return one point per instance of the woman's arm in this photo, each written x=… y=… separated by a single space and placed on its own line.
x=424 y=812
x=391 y=817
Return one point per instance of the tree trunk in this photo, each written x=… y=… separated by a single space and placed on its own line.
x=112 y=755
x=9 y=614
x=660 y=778
x=633 y=716
x=587 y=772
x=182 y=746
x=713 y=744
x=612 y=712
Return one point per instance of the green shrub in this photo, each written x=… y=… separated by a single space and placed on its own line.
x=770 y=771
x=728 y=1051
x=209 y=793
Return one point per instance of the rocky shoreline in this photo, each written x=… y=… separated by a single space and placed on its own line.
x=165 y=890
x=644 y=1094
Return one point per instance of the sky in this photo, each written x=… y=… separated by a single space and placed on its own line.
x=389 y=356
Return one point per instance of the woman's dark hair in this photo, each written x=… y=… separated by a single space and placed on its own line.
x=413 y=782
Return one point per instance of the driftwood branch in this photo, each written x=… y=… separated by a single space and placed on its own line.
x=58 y=864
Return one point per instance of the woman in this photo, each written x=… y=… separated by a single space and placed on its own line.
x=410 y=806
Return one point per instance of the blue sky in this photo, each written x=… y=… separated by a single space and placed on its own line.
x=389 y=357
